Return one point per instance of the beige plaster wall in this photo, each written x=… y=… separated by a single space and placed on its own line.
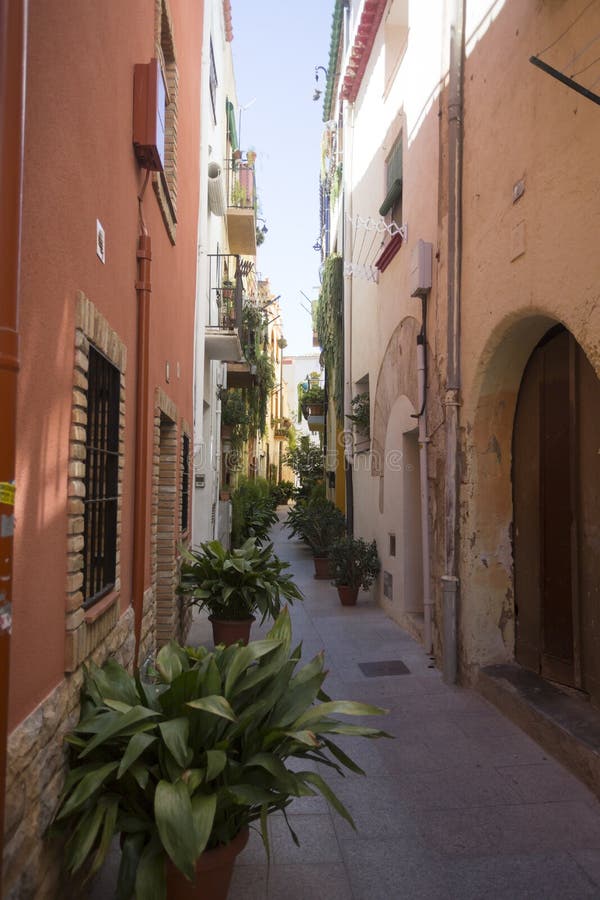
x=526 y=265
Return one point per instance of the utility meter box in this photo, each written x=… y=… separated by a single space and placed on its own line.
x=420 y=269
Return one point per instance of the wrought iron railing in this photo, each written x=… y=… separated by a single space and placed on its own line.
x=241 y=183
x=226 y=288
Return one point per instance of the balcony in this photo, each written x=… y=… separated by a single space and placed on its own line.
x=241 y=205
x=226 y=287
x=281 y=429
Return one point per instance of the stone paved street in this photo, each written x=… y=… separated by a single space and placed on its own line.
x=461 y=804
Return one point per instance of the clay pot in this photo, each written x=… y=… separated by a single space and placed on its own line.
x=213 y=873
x=321 y=566
x=229 y=631
x=347 y=594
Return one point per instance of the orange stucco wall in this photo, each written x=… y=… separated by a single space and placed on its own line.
x=79 y=167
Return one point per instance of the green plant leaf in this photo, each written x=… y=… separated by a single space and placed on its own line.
x=216 y=760
x=108 y=829
x=113 y=682
x=151 y=878
x=135 y=748
x=339 y=707
x=249 y=794
x=88 y=785
x=175 y=733
x=173 y=815
x=141 y=774
x=214 y=704
x=331 y=798
x=343 y=757
x=130 y=858
x=244 y=658
x=203 y=812
x=135 y=715
x=170 y=661
x=82 y=839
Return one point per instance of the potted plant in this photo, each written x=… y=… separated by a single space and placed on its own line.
x=234 y=584
x=318 y=523
x=361 y=418
x=354 y=565
x=182 y=766
x=312 y=401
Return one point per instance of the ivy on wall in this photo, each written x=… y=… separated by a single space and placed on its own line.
x=330 y=328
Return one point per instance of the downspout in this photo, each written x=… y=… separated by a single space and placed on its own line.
x=143 y=289
x=450 y=579
x=424 y=480
x=13 y=56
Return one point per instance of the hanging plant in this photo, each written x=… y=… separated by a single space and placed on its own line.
x=330 y=330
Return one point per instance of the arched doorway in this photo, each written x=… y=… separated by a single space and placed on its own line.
x=556 y=497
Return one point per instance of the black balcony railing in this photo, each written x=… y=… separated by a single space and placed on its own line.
x=226 y=287
x=241 y=183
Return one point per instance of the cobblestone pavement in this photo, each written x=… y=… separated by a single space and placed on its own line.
x=461 y=804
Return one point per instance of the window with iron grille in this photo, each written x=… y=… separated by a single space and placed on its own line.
x=213 y=83
x=101 y=478
x=185 y=482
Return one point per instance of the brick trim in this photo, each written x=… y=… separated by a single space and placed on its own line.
x=165 y=184
x=84 y=633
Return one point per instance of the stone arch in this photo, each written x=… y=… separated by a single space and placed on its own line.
x=487 y=633
x=397 y=375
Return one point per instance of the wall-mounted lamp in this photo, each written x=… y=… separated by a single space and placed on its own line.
x=264 y=228
x=317 y=93
x=318 y=246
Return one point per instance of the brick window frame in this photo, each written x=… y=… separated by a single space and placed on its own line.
x=173 y=614
x=165 y=183
x=185 y=479
x=87 y=628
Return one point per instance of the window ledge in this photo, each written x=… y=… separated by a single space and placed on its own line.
x=98 y=609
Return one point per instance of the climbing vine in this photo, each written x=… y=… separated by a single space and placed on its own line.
x=330 y=322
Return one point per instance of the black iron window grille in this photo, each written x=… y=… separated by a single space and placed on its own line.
x=101 y=478
x=185 y=482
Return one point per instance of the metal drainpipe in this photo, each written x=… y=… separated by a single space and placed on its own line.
x=450 y=579
x=143 y=289
x=424 y=478
x=13 y=56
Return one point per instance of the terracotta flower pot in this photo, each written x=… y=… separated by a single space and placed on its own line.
x=347 y=594
x=213 y=873
x=229 y=631
x=321 y=566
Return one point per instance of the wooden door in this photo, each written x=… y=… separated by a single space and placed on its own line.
x=556 y=494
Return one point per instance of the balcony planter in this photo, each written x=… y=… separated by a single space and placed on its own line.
x=213 y=873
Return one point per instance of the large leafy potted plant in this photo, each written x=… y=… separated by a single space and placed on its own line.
x=318 y=523
x=235 y=584
x=354 y=564
x=182 y=766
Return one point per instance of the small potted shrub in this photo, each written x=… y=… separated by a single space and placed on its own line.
x=234 y=584
x=354 y=565
x=318 y=523
x=182 y=766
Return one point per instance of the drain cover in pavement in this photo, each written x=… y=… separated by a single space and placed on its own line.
x=385 y=667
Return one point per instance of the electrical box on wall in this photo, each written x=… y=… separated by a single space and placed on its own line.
x=149 y=106
x=420 y=269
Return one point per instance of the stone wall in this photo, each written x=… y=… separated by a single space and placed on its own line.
x=35 y=776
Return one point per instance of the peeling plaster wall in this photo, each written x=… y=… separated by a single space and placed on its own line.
x=526 y=265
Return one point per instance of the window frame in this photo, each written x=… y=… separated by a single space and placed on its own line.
x=101 y=480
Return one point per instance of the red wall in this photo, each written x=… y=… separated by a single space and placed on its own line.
x=80 y=166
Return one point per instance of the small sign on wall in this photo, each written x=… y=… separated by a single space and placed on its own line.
x=388 y=585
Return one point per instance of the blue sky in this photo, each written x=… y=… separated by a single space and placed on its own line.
x=276 y=46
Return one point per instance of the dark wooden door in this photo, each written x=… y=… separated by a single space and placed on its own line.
x=556 y=493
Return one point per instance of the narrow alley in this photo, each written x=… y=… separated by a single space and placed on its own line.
x=460 y=804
